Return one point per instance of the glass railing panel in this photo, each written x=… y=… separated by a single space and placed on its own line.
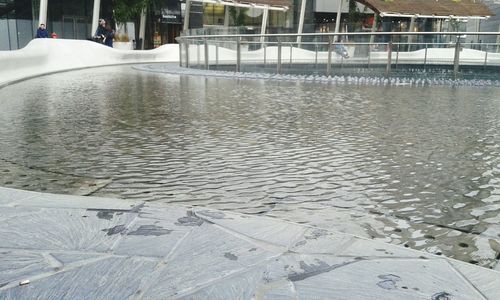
x=4 y=35
x=342 y=54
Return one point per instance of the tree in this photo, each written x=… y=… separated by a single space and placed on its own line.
x=130 y=10
x=126 y=10
x=354 y=16
x=238 y=15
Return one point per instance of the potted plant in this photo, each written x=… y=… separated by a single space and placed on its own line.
x=122 y=41
x=129 y=10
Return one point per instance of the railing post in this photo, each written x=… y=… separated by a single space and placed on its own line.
x=278 y=65
x=369 y=56
x=217 y=54
x=206 y=54
x=186 y=46
x=425 y=57
x=370 y=44
x=389 y=59
x=291 y=50
x=316 y=57
x=485 y=57
x=397 y=55
x=181 y=45
x=329 y=61
x=238 y=54
x=456 y=59
x=264 y=45
x=198 y=55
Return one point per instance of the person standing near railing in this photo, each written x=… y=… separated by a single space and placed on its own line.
x=41 y=32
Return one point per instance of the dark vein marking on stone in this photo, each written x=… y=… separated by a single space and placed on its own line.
x=313 y=270
x=150 y=230
x=114 y=230
x=230 y=256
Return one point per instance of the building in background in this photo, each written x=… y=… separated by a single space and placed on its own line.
x=70 y=19
x=493 y=23
x=165 y=20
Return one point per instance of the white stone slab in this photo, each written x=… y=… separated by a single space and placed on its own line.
x=206 y=255
x=485 y=280
x=271 y=231
x=69 y=201
x=321 y=241
x=58 y=229
x=241 y=286
x=112 y=278
x=156 y=236
x=9 y=196
x=389 y=279
x=157 y=251
x=376 y=249
x=17 y=265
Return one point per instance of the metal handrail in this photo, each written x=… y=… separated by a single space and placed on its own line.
x=358 y=43
x=328 y=34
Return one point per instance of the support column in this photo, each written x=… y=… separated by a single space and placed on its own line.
x=301 y=19
x=374 y=27
x=142 y=27
x=411 y=29
x=265 y=15
x=478 y=29
x=337 y=21
x=186 y=16
x=226 y=16
x=498 y=39
x=95 y=16
x=42 y=17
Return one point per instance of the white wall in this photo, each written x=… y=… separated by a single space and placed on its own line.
x=43 y=56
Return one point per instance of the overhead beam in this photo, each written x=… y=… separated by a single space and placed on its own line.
x=433 y=16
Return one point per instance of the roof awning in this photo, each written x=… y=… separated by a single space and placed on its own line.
x=270 y=4
x=441 y=9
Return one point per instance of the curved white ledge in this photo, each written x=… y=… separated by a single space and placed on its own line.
x=44 y=56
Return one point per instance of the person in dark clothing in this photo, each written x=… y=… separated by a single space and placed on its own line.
x=100 y=33
x=110 y=35
x=41 y=32
x=104 y=34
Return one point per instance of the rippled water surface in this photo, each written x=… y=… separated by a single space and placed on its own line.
x=412 y=165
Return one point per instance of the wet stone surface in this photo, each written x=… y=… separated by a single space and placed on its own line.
x=416 y=166
x=60 y=248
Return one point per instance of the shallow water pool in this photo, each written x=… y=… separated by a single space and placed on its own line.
x=417 y=166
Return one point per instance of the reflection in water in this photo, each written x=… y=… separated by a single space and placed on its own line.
x=411 y=165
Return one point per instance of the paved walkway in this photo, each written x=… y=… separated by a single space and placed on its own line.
x=72 y=247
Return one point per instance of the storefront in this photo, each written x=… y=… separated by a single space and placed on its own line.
x=168 y=23
x=69 y=19
x=77 y=19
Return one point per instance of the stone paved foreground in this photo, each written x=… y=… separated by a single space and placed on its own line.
x=71 y=247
